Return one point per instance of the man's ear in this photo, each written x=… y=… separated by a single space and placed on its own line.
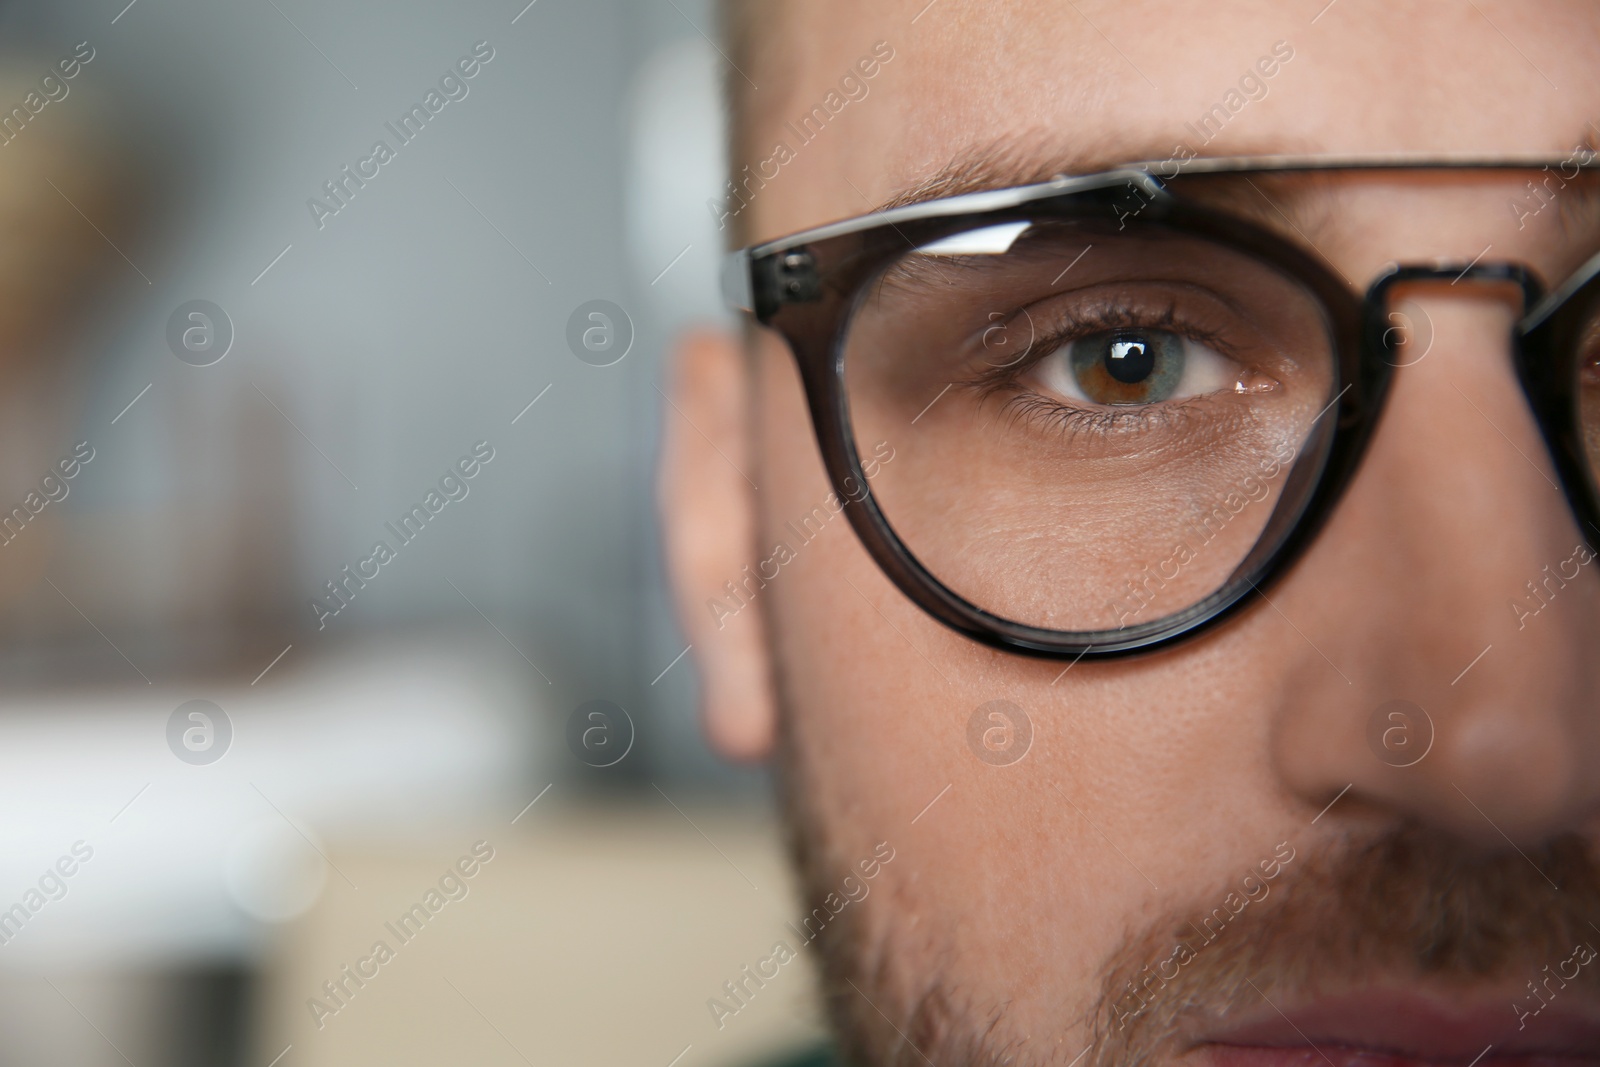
x=708 y=512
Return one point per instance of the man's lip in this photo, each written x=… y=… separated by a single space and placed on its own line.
x=1408 y=1027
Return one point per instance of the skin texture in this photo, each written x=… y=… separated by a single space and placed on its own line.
x=1153 y=784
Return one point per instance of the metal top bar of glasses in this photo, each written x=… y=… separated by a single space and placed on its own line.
x=736 y=286
x=1583 y=158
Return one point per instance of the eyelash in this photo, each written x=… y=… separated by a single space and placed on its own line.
x=1072 y=420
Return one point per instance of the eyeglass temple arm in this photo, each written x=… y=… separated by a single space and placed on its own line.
x=736 y=289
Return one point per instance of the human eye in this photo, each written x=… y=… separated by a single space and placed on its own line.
x=1135 y=366
x=1124 y=370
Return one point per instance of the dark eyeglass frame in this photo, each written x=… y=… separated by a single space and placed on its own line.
x=804 y=286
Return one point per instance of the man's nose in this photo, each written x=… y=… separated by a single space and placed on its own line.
x=1451 y=609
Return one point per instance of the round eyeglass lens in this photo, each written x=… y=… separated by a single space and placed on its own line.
x=1091 y=428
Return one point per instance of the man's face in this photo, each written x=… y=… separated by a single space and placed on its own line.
x=1200 y=852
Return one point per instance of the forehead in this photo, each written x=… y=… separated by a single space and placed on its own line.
x=1043 y=86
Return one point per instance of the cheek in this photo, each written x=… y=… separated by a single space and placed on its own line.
x=816 y=612
x=818 y=618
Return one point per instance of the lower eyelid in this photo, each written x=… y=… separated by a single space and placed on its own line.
x=1115 y=429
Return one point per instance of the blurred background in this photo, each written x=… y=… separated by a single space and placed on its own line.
x=243 y=347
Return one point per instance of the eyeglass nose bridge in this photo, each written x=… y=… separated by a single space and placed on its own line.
x=1538 y=371
x=1381 y=334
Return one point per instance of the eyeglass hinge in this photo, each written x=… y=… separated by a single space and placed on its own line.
x=786 y=278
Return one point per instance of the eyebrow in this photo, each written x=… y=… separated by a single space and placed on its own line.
x=1006 y=164
x=1014 y=162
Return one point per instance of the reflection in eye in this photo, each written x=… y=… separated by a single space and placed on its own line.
x=1137 y=366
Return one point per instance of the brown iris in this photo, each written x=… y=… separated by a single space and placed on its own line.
x=1128 y=366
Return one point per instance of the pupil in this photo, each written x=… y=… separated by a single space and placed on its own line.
x=1130 y=360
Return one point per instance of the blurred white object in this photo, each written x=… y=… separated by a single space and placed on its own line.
x=272 y=873
x=385 y=744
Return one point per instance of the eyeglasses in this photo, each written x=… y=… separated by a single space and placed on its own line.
x=1119 y=405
